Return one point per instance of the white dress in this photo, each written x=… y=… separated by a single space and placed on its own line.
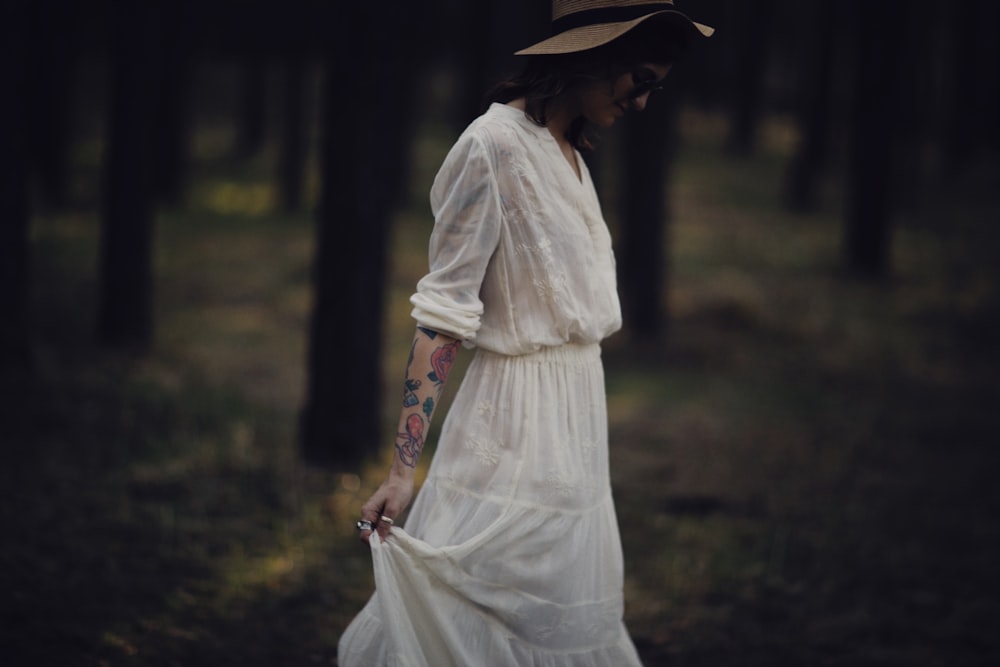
x=511 y=553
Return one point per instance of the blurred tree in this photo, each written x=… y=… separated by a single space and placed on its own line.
x=126 y=307
x=16 y=41
x=815 y=99
x=650 y=144
x=919 y=97
x=704 y=74
x=291 y=161
x=54 y=46
x=173 y=68
x=473 y=59
x=974 y=73
x=486 y=57
x=251 y=119
x=751 y=27
x=361 y=155
x=874 y=110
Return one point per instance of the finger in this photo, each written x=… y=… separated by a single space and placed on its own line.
x=369 y=520
x=373 y=509
x=384 y=525
x=365 y=528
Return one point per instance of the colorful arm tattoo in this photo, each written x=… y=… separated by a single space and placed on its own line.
x=410 y=443
x=410 y=385
x=442 y=359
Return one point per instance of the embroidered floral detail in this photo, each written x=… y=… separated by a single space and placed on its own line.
x=564 y=484
x=551 y=286
x=546 y=631
x=587 y=448
x=486 y=450
x=561 y=483
x=542 y=249
x=486 y=410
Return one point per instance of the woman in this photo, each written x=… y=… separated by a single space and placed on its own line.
x=511 y=553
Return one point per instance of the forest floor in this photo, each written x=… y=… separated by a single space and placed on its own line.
x=803 y=465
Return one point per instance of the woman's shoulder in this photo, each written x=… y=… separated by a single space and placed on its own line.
x=501 y=131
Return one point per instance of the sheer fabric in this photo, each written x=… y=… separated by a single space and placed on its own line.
x=511 y=553
x=520 y=255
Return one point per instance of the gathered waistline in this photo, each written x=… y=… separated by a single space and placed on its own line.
x=566 y=354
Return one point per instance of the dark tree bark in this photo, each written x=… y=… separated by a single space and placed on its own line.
x=50 y=117
x=171 y=134
x=989 y=60
x=917 y=92
x=815 y=97
x=867 y=225
x=253 y=110
x=650 y=144
x=126 y=276
x=475 y=68
x=975 y=80
x=488 y=55
x=360 y=157
x=752 y=27
x=15 y=46
x=291 y=166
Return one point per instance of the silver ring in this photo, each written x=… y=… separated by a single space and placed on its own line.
x=364 y=524
x=386 y=519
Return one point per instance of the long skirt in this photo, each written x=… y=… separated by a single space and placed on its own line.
x=511 y=553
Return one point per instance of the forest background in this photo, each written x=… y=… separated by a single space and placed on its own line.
x=213 y=213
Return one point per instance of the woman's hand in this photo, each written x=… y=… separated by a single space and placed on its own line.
x=389 y=501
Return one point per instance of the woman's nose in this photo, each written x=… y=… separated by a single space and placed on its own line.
x=639 y=103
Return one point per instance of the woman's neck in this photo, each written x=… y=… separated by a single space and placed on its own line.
x=558 y=118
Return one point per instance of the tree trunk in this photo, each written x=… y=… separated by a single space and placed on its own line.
x=650 y=144
x=292 y=159
x=487 y=55
x=126 y=275
x=754 y=20
x=174 y=66
x=360 y=157
x=252 y=116
x=815 y=94
x=975 y=76
x=15 y=46
x=50 y=117
x=867 y=226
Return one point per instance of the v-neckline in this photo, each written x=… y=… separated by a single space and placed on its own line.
x=574 y=165
x=575 y=169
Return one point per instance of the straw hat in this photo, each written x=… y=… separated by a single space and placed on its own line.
x=578 y=25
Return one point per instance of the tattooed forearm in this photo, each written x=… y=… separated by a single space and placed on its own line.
x=432 y=356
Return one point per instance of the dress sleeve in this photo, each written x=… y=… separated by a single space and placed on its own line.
x=465 y=202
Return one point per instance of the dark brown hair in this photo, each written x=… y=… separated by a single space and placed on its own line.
x=544 y=78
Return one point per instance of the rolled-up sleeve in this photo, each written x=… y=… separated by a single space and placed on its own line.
x=465 y=202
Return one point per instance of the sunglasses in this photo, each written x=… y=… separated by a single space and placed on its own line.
x=647 y=86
